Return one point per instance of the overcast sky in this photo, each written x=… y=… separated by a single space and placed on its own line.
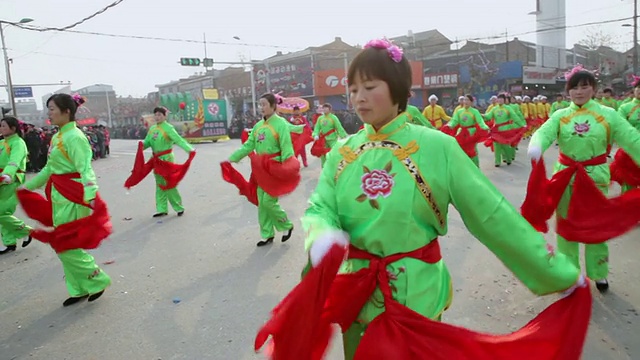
x=135 y=66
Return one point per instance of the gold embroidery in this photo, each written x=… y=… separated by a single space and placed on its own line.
x=7 y=148
x=377 y=137
x=599 y=118
x=348 y=154
x=273 y=131
x=60 y=147
x=402 y=153
x=409 y=165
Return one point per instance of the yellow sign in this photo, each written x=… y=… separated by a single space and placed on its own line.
x=210 y=94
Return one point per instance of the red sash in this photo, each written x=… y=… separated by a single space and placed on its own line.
x=300 y=325
x=171 y=172
x=464 y=138
x=592 y=218
x=84 y=233
x=506 y=137
x=624 y=170
x=319 y=147
x=274 y=177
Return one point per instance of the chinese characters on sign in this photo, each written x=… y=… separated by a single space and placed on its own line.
x=445 y=80
x=538 y=75
x=214 y=129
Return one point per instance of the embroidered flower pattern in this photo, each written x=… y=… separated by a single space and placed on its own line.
x=581 y=129
x=376 y=183
x=261 y=137
x=551 y=250
x=155 y=135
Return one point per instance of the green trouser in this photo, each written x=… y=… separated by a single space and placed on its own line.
x=11 y=228
x=329 y=145
x=271 y=216
x=501 y=152
x=351 y=338
x=81 y=273
x=476 y=159
x=596 y=255
x=625 y=188
x=512 y=153
x=162 y=196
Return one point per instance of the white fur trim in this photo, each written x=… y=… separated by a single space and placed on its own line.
x=582 y=282
x=324 y=242
x=534 y=152
x=433 y=97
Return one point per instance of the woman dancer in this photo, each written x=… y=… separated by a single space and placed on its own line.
x=583 y=131
x=13 y=163
x=271 y=137
x=623 y=170
x=469 y=118
x=72 y=195
x=384 y=192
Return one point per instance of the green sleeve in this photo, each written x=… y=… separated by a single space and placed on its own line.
x=339 y=128
x=518 y=119
x=316 y=127
x=296 y=129
x=553 y=109
x=489 y=114
x=420 y=119
x=40 y=179
x=490 y=218
x=547 y=133
x=455 y=119
x=322 y=213
x=625 y=135
x=80 y=154
x=284 y=137
x=178 y=140
x=246 y=148
x=147 y=139
x=623 y=112
x=18 y=154
x=480 y=120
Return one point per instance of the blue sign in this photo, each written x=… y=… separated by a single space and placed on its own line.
x=23 y=92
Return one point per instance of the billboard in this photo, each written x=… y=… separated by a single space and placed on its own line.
x=294 y=78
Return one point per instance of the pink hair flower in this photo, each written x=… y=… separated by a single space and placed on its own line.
x=576 y=69
x=635 y=80
x=395 y=52
x=279 y=98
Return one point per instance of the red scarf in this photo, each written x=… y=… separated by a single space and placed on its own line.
x=274 y=177
x=84 y=233
x=624 y=170
x=300 y=325
x=510 y=137
x=171 y=172
x=464 y=138
x=592 y=217
x=319 y=147
x=299 y=141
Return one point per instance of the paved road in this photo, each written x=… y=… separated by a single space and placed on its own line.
x=208 y=261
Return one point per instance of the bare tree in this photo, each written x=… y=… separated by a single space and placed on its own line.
x=595 y=38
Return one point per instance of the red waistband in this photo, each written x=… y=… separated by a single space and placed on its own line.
x=329 y=132
x=350 y=292
x=163 y=153
x=567 y=161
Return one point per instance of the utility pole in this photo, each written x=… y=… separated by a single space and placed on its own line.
x=506 y=42
x=346 y=85
x=12 y=100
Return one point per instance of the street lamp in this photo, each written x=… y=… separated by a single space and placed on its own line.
x=253 y=82
x=12 y=99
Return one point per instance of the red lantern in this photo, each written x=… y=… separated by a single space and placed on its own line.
x=182 y=105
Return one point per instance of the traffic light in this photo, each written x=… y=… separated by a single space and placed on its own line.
x=207 y=62
x=5 y=111
x=189 y=61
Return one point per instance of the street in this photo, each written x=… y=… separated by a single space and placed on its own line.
x=197 y=287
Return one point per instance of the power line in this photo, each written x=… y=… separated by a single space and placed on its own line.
x=68 y=27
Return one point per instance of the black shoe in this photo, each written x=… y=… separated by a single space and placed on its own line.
x=265 y=242
x=287 y=236
x=159 y=215
x=73 y=300
x=9 y=249
x=497 y=165
x=180 y=213
x=27 y=242
x=95 y=296
x=509 y=163
x=602 y=285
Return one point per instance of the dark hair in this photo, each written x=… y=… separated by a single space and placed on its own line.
x=470 y=97
x=66 y=102
x=376 y=64
x=608 y=90
x=271 y=99
x=160 y=110
x=13 y=123
x=560 y=95
x=503 y=97
x=581 y=78
x=327 y=105
x=296 y=107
